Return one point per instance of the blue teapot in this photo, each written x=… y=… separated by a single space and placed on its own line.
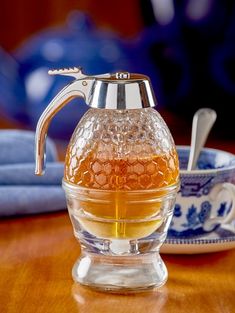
x=77 y=43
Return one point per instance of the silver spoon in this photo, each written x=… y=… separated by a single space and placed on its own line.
x=203 y=121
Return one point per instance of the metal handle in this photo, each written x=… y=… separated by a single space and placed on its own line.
x=203 y=120
x=79 y=88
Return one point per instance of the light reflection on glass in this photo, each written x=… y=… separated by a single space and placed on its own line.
x=92 y=301
x=198 y=9
x=163 y=11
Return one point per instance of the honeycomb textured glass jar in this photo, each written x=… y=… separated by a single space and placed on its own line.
x=121 y=150
x=121 y=179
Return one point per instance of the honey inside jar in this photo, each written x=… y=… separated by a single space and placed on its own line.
x=120 y=212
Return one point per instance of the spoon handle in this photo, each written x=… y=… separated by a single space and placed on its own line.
x=203 y=120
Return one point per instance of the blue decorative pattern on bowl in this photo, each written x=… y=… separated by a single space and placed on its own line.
x=207 y=195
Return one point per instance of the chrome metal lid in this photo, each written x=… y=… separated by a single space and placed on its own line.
x=122 y=91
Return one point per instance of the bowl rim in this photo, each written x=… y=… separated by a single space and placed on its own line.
x=207 y=171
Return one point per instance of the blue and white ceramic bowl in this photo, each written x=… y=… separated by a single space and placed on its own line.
x=206 y=199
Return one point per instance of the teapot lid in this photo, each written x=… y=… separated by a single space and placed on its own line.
x=122 y=91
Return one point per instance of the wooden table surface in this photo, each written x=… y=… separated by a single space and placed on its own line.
x=37 y=254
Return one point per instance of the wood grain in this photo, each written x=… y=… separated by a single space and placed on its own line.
x=37 y=254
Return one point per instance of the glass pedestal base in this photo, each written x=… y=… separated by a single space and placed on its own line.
x=120 y=274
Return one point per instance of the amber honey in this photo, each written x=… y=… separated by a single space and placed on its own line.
x=131 y=202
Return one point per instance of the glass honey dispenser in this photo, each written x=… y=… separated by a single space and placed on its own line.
x=121 y=177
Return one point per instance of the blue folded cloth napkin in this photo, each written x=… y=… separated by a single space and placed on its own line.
x=21 y=191
x=18 y=200
x=23 y=174
x=17 y=146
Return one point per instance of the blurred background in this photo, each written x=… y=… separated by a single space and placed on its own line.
x=187 y=47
